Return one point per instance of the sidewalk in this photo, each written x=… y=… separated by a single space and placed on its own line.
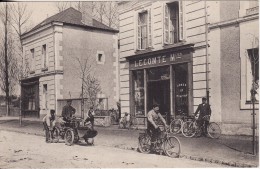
x=227 y=150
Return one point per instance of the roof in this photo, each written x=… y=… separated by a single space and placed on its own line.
x=73 y=17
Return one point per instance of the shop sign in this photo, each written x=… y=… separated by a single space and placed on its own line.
x=160 y=60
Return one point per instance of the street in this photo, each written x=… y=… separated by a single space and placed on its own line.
x=22 y=150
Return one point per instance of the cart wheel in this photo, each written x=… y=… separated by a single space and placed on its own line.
x=89 y=141
x=69 y=137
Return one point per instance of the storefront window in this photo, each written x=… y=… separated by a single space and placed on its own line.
x=138 y=78
x=181 y=89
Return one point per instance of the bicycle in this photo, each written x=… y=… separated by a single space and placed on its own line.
x=191 y=129
x=166 y=143
x=177 y=124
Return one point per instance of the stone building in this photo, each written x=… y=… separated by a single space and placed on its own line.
x=55 y=49
x=168 y=57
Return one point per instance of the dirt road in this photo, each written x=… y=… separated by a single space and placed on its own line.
x=21 y=150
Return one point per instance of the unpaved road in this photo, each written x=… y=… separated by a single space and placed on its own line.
x=30 y=151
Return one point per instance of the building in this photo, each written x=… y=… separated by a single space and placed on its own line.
x=234 y=35
x=54 y=52
x=168 y=57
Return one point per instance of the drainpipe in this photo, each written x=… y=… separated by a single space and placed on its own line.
x=207 y=59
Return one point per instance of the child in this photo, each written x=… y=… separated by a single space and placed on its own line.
x=49 y=124
x=90 y=117
x=125 y=121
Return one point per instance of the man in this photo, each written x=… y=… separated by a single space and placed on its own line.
x=49 y=124
x=125 y=121
x=68 y=111
x=153 y=118
x=204 y=116
x=90 y=117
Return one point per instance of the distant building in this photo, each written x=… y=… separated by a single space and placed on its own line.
x=166 y=57
x=50 y=52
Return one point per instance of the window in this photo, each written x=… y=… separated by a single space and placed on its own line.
x=45 y=96
x=173 y=22
x=100 y=57
x=44 y=56
x=254 y=72
x=138 y=92
x=144 y=35
x=31 y=98
x=32 y=61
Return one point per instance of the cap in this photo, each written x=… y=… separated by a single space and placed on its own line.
x=52 y=111
x=204 y=98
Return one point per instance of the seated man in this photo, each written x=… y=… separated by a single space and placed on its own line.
x=68 y=111
x=153 y=117
x=125 y=121
x=49 y=124
x=90 y=117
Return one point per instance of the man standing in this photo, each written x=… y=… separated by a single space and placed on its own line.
x=204 y=116
x=153 y=117
x=68 y=111
x=90 y=117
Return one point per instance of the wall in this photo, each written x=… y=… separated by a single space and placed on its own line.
x=81 y=43
x=194 y=12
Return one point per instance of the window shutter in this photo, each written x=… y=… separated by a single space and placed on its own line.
x=181 y=21
x=138 y=32
x=166 y=24
x=149 y=28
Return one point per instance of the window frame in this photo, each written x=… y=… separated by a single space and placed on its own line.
x=32 y=56
x=168 y=38
x=149 y=28
x=45 y=58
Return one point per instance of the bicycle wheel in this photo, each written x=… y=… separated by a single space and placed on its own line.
x=144 y=143
x=188 y=129
x=172 y=147
x=55 y=135
x=69 y=137
x=214 y=130
x=175 y=126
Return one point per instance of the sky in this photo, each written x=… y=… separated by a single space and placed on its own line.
x=41 y=10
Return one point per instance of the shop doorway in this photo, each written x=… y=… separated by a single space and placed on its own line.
x=159 y=92
x=158 y=88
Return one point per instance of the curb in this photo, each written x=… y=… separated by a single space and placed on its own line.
x=195 y=158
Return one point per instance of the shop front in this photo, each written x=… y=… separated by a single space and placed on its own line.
x=161 y=77
x=30 y=97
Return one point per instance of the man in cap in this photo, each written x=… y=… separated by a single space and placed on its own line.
x=204 y=116
x=68 y=111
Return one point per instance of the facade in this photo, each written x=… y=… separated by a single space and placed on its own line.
x=54 y=52
x=167 y=57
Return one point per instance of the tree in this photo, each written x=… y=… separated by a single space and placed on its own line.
x=8 y=63
x=90 y=85
x=111 y=14
x=19 y=21
x=62 y=6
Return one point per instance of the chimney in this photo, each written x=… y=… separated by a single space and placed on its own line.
x=86 y=11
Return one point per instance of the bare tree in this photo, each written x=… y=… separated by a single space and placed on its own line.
x=8 y=63
x=62 y=5
x=90 y=84
x=19 y=20
x=99 y=11
x=111 y=14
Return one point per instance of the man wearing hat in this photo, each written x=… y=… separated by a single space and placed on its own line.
x=204 y=116
x=49 y=123
x=68 y=111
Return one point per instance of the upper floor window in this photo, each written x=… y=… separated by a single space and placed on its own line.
x=144 y=30
x=44 y=56
x=32 y=60
x=173 y=22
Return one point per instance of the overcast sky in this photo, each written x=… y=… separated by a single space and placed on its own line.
x=40 y=10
